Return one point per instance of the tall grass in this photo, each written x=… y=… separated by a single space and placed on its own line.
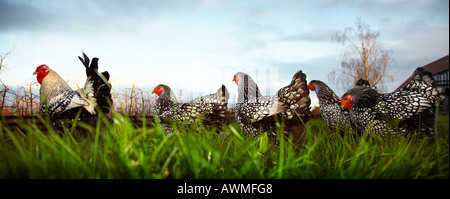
x=122 y=150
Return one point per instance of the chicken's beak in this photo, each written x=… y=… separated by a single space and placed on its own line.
x=234 y=78
x=35 y=73
x=153 y=91
x=344 y=107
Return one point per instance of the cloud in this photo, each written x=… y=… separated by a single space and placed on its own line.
x=150 y=36
x=21 y=16
x=254 y=34
x=318 y=34
x=85 y=16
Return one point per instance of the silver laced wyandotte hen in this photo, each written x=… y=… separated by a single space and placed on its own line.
x=210 y=109
x=410 y=108
x=256 y=113
x=62 y=104
x=330 y=108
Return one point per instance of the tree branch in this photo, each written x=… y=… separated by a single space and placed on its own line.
x=364 y=56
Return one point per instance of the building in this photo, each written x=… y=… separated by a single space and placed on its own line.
x=439 y=69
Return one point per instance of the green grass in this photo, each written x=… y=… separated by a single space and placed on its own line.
x=121 y=150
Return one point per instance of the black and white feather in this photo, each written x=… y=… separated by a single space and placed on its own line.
x=402 y=108
x=330 y=107
x=60 y=102
x=291 y=103
x=210 y=109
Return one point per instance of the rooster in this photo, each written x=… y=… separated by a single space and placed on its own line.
x=330 y=109
x=60 y=102
x=291 y=104
x=209 y=109
x=404 y=107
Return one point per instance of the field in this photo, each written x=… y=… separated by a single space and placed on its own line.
x=122 y=150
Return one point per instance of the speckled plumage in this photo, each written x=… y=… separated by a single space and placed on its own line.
x=291 y=104
x=403 y=107
x=330 y=107
x=209 y=109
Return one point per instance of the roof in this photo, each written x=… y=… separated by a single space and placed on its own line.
x=437 y=66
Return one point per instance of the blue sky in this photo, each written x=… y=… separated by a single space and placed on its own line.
x=198 y=45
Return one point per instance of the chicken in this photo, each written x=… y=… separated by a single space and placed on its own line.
x=60 y=102
x=210 y=109
x=102 y=88
x=290 y=105
x=362 y=82
x=330 y=109
x=403 y=108
x=330 y=104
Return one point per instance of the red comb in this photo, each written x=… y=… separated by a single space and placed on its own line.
x=41 y=66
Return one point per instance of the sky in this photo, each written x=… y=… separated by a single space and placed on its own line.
x=197 y=45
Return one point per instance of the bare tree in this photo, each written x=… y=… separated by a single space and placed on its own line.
x=364 y=57
x=5 y=89
x=145 y=103
x=130 y=101
x=135 y=103
x=30 y=99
